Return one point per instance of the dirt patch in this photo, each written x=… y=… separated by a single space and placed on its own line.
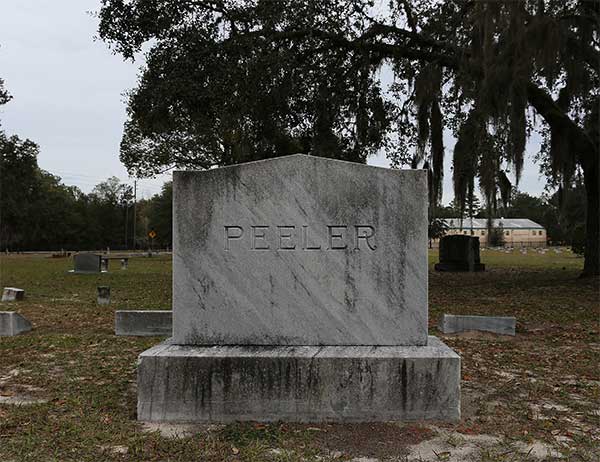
x=458 y=447
x=480 y=335
x=21 y=400
x=452 y=447
x=365 y=440
x=175 y=430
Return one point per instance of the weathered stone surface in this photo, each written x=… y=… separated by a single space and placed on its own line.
x=300 y=250
x=87 y=263
x=459 y=252
x=144 y=323
x=12 y=323
x=103 y=295
x=12 y=294
x=451 y=324
x=179 y=383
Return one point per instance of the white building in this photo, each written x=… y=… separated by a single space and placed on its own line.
x=518 y=232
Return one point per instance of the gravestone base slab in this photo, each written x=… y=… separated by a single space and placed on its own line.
x=180 y=383
x=457 y=267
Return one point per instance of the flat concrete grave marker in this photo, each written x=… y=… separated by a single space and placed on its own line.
x=12 y=323
x=103 y=295
x=12 y=294
x=452 y=324
x=299 y=294
x=142 y=323
x=300 y=250
x=87 y=263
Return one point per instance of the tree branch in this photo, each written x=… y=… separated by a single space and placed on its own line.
x=558 y=120
x=450 y=58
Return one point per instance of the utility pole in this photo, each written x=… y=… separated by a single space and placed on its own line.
x=126 y=218
x=134 y=209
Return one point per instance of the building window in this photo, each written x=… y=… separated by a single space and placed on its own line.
x=483 y=233
x=464 y=232
x=507 y=233
x=540 y=233
x=472 y=233
x=533 y=232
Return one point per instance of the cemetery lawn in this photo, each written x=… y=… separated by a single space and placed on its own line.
x=67 y=389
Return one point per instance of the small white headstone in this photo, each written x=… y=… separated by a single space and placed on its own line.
x=103 y=295
x=12 y=294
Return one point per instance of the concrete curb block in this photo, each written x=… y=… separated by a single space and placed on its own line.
x=144 y=323
x=12 y=324
x=452 y=324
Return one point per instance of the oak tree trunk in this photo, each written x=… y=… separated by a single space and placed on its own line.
x=591 y=176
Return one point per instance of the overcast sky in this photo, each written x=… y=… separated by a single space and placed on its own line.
x=68 y=95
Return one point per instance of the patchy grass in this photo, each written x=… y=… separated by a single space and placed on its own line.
x=531 y=397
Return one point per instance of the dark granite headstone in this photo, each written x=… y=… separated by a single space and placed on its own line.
x=87 y=263
x=459 y=253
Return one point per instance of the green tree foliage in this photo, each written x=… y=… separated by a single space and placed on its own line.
x=496 y=236
x=216 y=92
x=565 y=215
x=228 y=81
x=436 y=230
x=161 y=216
x=522 y=205
x=38 y=212
x=41 y=213
x=4 y=95
x=20 y=176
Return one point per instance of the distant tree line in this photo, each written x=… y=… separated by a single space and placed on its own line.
x=39 y=212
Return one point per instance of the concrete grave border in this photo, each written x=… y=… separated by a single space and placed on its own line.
x=452 y=324
x=143 y=323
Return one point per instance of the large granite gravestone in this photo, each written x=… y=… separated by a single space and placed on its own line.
x=459 y=252
x=87 y=263
x=300 y=251
x=299 y=293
